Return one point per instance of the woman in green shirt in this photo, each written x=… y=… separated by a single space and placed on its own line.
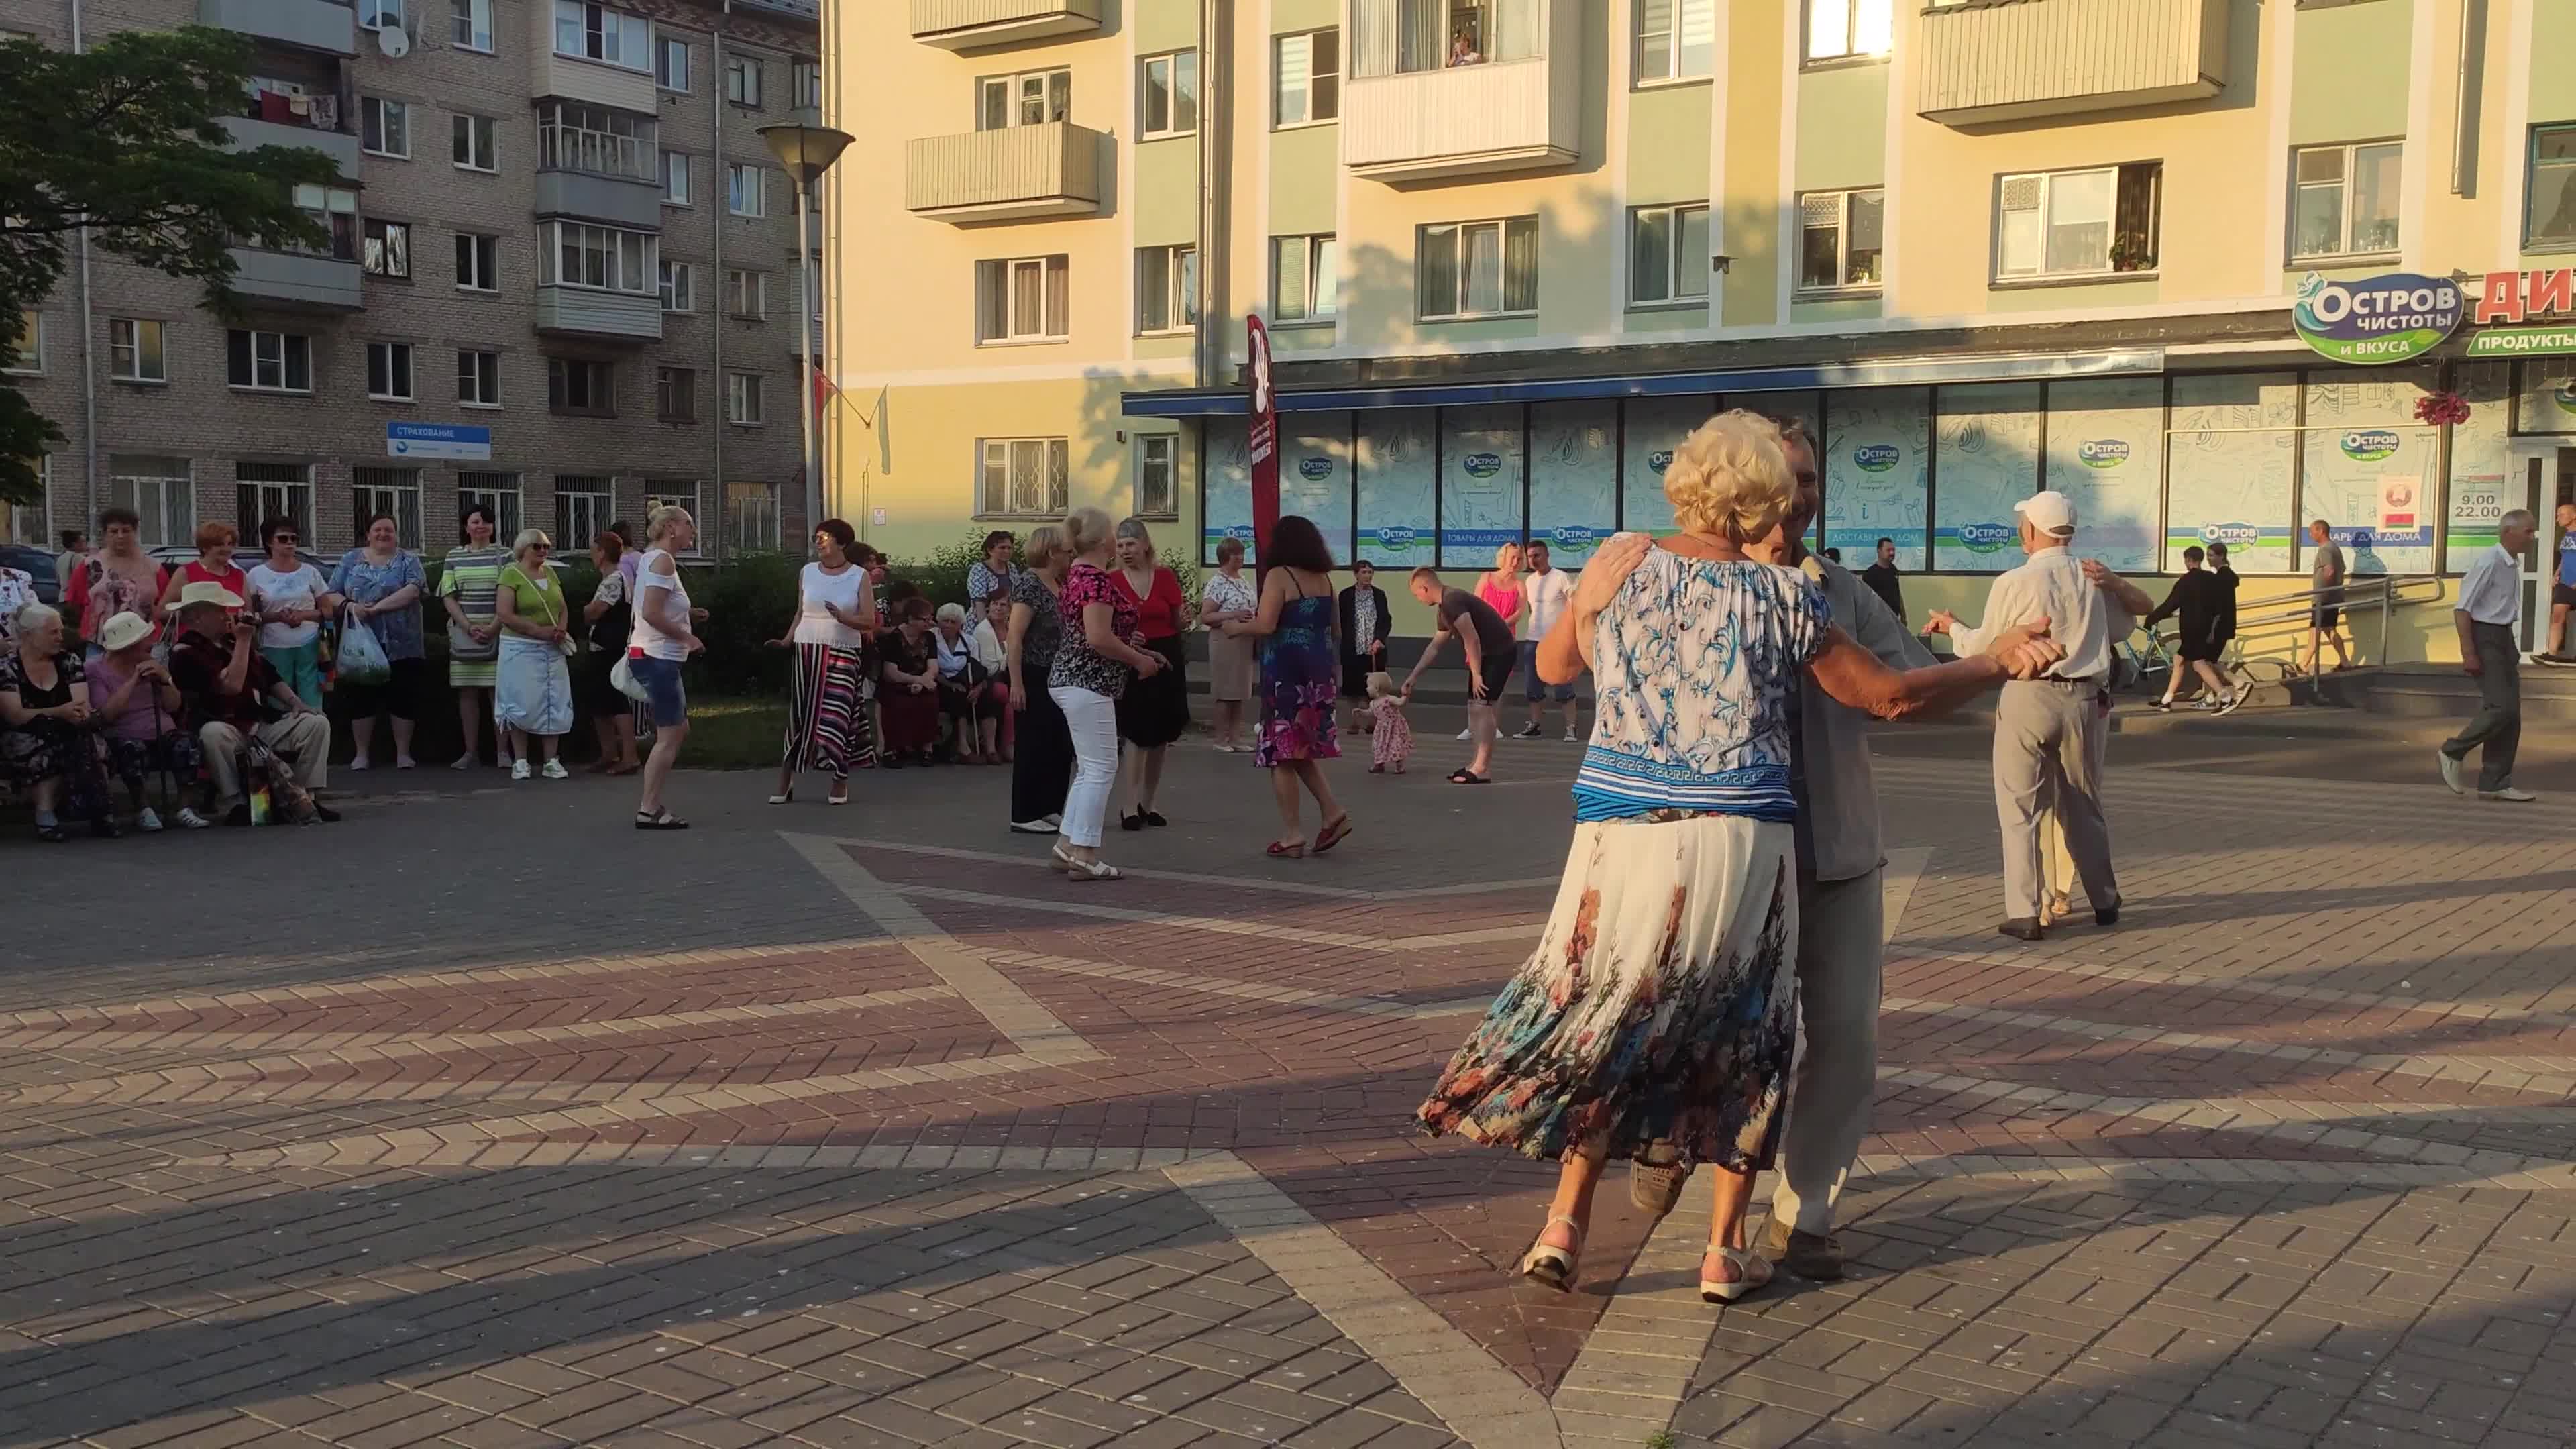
x=532 y=692
x=469 y=579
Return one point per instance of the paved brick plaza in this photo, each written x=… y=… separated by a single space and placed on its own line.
x=482 y=1120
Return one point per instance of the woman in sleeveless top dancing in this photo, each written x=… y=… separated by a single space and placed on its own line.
x=1299 y=671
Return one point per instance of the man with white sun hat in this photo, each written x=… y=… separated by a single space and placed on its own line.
x=2049 y=731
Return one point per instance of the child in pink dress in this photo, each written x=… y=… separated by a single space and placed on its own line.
x=1391 y=738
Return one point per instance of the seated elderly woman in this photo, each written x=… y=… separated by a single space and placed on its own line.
x=47 y=747
x=966 y=686
x=139 y=712
x=239 y=704
x=908 y=687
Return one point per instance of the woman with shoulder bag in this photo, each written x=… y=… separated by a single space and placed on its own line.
x=532 y=686
x=610 y=616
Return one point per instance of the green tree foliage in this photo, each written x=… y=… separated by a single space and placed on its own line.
x=123 y=139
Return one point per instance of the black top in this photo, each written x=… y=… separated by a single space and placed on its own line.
x=2206 y=601
x=1348 y=602
x=1493 y=636
x=1882 y=581
x=13 y=678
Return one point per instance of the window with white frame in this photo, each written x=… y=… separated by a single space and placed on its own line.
x=1850 y=29
x=675 y=394
x=159 y=492
x=2549 y=206
x=1158 y=489
x=1168 y=90
x=1021 y=299
x=1676 y=39
x=387 y=250
x=1305 y=78
x=679 y=287
x=1029 y=98
x=575 y=136
x=2097 y=222
x=742 y=80
x=335 y=209
x=746 y=292
x=1167 y=288
x=581 y=387
x=1024 y=478
x=582 y=509
x=671 y=63
x=661 y=493
x=597 y=32
x=1668 y=255
x=497 y=494
x=26 y=347
x=751 y=518
x=268 y=361
x=384 y=127
x=478 y=262
x=387 y=491
x=1402 y=37
x=469 y=24
x=474 y=143
x=746 y=188
x=805 y=84
x=136 y=350
x=577 y=254
x=1841 y=237
x=676 y=176
x=376 y=15
x=262 y=491
x=743 y=398
x=1305 y=278
x=2343 y=199
x=1477 y=268
x=389 y=371
x=478 y=378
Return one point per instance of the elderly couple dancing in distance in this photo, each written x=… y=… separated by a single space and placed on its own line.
x=1656 y=1019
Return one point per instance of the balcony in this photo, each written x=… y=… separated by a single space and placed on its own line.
x=2009 y=60
x=622 y=201
x=982 y=24
x=305 y=24
x=1004 y=175
x=248 y=134
x=589 y=312
x=1492 y=118
x=578 y=78
x=296 y=281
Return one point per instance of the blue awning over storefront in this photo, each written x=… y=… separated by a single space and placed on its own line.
x=1189 y=403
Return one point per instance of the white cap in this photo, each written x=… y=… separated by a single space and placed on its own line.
x=2052 y=513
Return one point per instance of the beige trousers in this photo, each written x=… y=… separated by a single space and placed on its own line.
x=303 y=738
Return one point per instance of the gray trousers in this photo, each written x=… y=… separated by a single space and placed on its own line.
x=2048 y=756
x=2498 y=722
x=1842 y=941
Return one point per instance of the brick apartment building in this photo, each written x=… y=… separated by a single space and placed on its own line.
x=563 y=279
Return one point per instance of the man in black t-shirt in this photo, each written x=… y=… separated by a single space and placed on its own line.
x=1491 y=652
x=1882 y=576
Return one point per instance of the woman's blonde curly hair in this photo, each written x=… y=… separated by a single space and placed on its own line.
x=1731 y=478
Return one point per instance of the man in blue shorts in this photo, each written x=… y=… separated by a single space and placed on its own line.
x=1548 y=589
x=2562 y=593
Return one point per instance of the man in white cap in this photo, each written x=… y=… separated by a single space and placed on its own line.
x=233 y=695
x=2049 y=731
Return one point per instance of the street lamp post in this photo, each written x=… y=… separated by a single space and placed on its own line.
x=806 y=152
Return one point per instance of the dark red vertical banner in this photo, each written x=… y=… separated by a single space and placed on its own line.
x=1264 y=416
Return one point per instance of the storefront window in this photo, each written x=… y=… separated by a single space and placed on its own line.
x=1988 y=460
x=2106 y=453
x=1480 y=484
x=1877 y=470
x=1574 y=459
x=2546 y=400
x=2481 y=463
x=2233 y=471
x=1315 y=475
x=2370 y=470
x=1656 y=427
x=1227 y=489
x=1394 y=482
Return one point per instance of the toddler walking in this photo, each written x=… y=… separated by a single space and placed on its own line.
x=1390 y=737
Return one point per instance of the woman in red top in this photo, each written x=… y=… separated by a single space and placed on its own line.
x=1156 y=708
x=120 y=578
x=212 y=565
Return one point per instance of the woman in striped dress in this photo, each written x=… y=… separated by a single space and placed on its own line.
x=827 y=718
x=469 y=584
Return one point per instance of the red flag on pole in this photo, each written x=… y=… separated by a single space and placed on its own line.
x=824 y=391
x=1264 y=413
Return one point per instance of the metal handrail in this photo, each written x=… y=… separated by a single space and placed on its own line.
x=2290 y=613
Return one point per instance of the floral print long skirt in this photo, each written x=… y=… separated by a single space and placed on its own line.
x=1661 y=1003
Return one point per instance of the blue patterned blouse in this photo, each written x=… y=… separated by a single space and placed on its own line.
x=363 y=581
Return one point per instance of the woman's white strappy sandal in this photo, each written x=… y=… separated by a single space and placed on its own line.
x=1547 y=1264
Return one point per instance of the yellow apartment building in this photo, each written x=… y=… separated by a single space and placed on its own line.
x=2194 y=262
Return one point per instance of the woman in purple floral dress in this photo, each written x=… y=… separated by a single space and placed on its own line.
x=1300 y=673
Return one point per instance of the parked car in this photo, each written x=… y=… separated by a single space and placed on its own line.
x=38 y=565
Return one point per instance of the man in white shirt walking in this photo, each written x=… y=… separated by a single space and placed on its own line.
x=2049 y=731
x=1547 y=589
x=2488 y=615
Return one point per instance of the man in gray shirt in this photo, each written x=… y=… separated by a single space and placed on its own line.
x=2326 y=573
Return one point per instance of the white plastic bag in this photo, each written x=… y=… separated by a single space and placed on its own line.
x=361 y=659
x=623 y=680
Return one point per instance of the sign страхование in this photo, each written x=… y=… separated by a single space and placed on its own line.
x=438 y=440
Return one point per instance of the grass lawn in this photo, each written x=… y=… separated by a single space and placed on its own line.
x=734 y=734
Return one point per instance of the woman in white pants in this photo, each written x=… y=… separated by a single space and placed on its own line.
x=1099 y=656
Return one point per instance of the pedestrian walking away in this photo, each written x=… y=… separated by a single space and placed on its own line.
x=1295 y=623
x=1546 y=591
x=1485 y=637
x=2045 y=747
x=2561 y=653
x=2489 y=618
x=827 y=719
x=2325 y=615
x=1042 y=750
x=1656 y=1014
x=2206 y=605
